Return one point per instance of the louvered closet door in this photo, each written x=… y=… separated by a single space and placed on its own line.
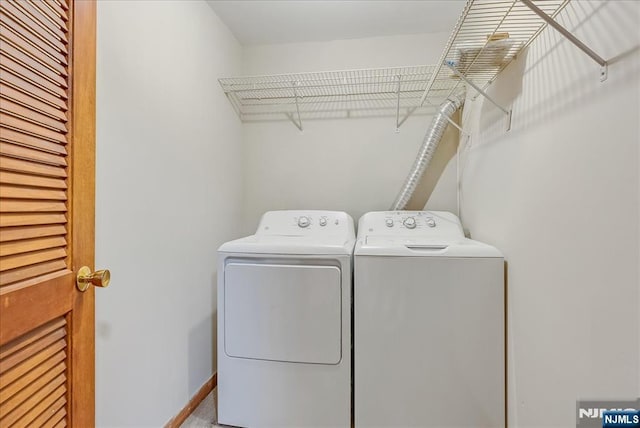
x=47 y=127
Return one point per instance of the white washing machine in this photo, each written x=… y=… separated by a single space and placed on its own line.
x=428 y=324
x=284 y=322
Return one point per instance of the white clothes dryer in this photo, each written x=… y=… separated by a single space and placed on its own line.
x=284 y=322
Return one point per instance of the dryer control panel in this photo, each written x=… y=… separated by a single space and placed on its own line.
x=410 y=223
x=305 y=222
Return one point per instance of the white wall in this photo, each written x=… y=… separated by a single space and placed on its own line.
x=169 y=185
x=353 y=165
x=559 y=195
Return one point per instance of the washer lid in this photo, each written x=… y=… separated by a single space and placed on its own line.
x=417 y=234
x=411 y=224
x=373 y=245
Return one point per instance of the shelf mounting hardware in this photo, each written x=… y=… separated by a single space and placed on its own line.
x=406 y=116
x=477 y=88
x=297 y=123
x=455 y=125
x=432 y=80
x=573 y=39
x=399 y=77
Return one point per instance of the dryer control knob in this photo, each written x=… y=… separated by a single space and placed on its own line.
x=431 y=222
x=323 y=221
x=389 y=222
x=409 y=223
x=303 y=221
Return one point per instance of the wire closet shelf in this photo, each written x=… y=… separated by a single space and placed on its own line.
x=332 y=94
x=488 y=35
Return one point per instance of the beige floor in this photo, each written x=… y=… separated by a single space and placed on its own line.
x=205 y=414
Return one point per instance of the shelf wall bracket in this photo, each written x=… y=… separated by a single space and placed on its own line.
x=455 y=125
x=399 y=77
x=432 y=80
x=477 y=88
x=297 y=123
x=292 y=119
x=573 y=39
x=406 y=116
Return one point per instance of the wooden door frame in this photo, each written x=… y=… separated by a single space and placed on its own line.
x=82 y=210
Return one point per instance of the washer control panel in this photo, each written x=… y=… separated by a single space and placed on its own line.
x=305 y=222
x=411 y=223
x=411 y=220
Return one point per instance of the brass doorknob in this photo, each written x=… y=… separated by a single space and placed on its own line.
x=99 y=278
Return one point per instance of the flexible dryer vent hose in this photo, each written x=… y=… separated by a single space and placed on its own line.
x=428 y=148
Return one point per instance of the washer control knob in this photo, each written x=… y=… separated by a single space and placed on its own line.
x=303 y=221
x=389 y=222
x=323 y=221
x=431 y=222
x=409 y=223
